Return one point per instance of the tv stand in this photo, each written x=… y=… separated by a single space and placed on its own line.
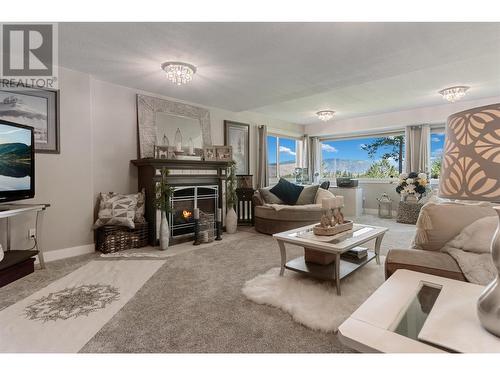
x=8 y=210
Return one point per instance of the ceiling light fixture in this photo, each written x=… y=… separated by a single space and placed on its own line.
x=178 y=72
x=452 y=94
x=325 y=115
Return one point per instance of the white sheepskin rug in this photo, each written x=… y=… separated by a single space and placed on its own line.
x=314 y=303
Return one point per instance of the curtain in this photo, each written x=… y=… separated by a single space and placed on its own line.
x=417 y=148
x=305 y=153
x=262 y=177
x=313 y=157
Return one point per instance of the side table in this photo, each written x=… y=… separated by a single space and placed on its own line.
x=244 y=206
x=408 y=212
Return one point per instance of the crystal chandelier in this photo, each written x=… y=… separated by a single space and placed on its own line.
x=325 y=115
x=178 y=72
x=452 y=94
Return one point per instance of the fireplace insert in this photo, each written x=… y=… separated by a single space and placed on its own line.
x=183 y=202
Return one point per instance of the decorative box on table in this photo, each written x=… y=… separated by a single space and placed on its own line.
x=113 y=238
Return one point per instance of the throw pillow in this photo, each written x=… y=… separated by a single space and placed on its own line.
x=323 y=194
x=117 y=209
x=269 y=197
x=286 y=191
x=308 y=195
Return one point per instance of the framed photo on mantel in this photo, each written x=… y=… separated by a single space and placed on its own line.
x=37 y=108
x=237 y=135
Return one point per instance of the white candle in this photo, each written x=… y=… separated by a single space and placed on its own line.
x=339 y=200
x=333 y=203
x=326 y=203
x=191 y=149
x=219 y=214
x=196 y=213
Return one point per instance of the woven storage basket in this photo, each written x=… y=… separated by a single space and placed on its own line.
x=113 y=238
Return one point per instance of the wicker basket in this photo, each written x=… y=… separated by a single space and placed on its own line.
x=113 y=238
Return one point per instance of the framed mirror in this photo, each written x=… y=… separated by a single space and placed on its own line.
x=159 y=119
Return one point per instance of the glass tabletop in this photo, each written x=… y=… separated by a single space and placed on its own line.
x=416 y=314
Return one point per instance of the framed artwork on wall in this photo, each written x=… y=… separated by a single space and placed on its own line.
x=37 y=108
x=237 y=135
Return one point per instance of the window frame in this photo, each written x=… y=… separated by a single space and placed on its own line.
x=298 y=150
x=435 y=128
x=387 y=133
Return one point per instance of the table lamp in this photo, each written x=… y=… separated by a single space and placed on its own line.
x=471 y=171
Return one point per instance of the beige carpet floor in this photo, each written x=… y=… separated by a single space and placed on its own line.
x=193 y=303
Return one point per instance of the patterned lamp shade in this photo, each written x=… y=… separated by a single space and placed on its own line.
x=471 y=159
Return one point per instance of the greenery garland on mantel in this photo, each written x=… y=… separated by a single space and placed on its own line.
x=231 y=185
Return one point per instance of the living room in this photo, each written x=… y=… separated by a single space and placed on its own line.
x=245 y=187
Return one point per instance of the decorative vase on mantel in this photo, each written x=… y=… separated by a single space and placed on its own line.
x=164 y=232
x=231 y=221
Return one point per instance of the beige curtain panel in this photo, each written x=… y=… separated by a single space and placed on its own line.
x=417 y=148
x=262 y=177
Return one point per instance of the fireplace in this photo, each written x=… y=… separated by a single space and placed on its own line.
x=183 y=202
x=197 y=183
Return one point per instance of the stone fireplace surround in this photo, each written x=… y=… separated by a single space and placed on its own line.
x=197 y=181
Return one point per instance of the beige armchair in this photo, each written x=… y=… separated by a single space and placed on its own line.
x=437 y=224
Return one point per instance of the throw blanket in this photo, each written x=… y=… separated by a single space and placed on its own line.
x=472 y=250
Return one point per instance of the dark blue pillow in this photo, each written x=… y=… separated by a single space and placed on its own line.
x=286 y=191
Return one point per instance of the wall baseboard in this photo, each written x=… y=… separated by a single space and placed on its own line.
x=67 y=253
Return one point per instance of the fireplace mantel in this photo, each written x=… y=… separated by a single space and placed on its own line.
x=180 y=164
x=182 y=173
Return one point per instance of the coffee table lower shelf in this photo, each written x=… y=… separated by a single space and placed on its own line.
x=327 y=272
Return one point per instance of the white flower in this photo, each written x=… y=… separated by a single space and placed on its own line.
x=409 y=181
x=402 y=176
x=410 y=188
x=422 y=175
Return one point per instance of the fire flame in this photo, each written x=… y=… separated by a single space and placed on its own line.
x=186 y=214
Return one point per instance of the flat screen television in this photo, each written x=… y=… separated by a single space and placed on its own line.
x=17 y=162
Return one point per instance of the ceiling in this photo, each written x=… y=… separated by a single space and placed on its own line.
x=291 y=70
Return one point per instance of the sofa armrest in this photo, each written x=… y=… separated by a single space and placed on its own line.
x=425 y=261
x=257 y=199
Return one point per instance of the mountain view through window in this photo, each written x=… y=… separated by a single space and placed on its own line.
x=373 y=157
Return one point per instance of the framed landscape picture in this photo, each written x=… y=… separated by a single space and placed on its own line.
x=237 y=135
x=36 y=108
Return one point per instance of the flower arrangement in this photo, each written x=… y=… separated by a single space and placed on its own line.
x=412 y=184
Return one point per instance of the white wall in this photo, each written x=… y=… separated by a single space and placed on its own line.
x=395 y=120
x=64 y=180
x=98 y=139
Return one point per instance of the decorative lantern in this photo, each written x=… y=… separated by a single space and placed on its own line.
x=384 y=206
x=178 y=141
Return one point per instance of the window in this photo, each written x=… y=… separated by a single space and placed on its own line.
x=370 y=157
x=283 y=156
x=437 y=146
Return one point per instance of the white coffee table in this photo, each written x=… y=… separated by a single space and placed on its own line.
x=402 y=317
x=337 y=245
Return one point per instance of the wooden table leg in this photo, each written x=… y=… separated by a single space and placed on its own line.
x=337 y=273
x=378 y=242
x=281 y=244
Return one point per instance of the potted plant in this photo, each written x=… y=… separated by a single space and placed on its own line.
x=412 y=186
x=162 y=201
x=231 y=199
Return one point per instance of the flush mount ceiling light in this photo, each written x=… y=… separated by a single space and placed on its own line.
x=178 y=72
x=325 y=115
x=452 y=94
